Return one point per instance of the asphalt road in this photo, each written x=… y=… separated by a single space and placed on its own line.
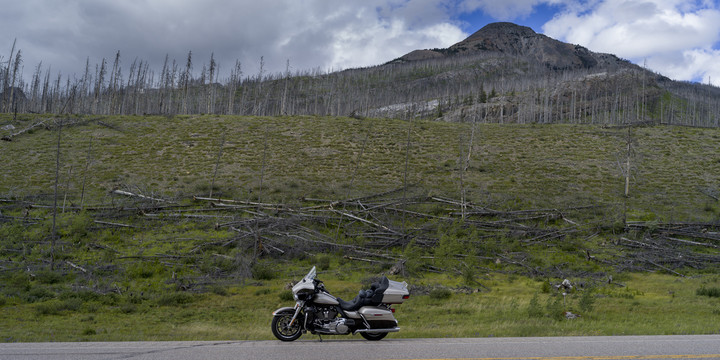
x=355 y=348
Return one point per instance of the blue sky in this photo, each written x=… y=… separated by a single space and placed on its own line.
x=678 y=38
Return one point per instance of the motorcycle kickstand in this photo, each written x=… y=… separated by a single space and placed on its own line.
x=320 y=336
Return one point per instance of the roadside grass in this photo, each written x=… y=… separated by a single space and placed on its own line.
x=650 y=304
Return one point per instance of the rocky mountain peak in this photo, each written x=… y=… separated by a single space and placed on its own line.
x=515 y=40
x=502 y=29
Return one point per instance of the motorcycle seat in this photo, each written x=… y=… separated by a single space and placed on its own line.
x=363 y=298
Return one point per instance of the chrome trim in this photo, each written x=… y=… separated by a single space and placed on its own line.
x=364 y=321
x=298 y=307
x=396 y=329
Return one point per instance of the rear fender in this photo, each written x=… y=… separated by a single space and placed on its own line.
x=284 y=310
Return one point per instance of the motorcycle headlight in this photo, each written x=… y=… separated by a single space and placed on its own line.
x=296 y=297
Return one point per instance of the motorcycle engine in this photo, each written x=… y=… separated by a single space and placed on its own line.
x=325 y=320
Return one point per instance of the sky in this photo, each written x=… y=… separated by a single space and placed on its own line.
x=677 y=38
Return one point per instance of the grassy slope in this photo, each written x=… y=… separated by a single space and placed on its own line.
x=512 y=167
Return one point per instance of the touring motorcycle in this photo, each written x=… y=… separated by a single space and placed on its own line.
x=370 y=313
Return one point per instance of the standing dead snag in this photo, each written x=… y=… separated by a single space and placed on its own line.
x=217 y=163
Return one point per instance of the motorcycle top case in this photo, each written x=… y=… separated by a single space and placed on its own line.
x=396 y=293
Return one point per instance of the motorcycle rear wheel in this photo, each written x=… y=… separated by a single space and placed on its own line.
x=282 y=330
x=373 y=336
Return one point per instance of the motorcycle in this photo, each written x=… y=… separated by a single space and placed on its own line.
x=370 y=313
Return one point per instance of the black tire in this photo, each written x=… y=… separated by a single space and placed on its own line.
x=282 y=331
x=373 y=336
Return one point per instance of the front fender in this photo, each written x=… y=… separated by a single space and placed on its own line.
x=284 y=310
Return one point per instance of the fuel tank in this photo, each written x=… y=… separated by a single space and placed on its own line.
x=325 y=298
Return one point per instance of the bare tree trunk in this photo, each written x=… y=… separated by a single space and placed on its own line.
x=87 y=166
x=57 y=179
x=217 y=164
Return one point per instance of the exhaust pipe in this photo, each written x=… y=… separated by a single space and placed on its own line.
x=396 y=329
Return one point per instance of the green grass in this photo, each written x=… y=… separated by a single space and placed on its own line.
x=661 y=305
x=170 y=278
x=512 y=166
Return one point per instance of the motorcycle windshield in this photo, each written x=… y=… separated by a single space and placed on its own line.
x=311 y=275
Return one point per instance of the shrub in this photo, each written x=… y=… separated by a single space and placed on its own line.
x=440 y=294
x=19 y=282
x=545 y=287
x=286 y=296
x=55 y=307
x=709 y=292
x=263 y=271
x=48 y=277
x=219 y=290
x=554 y=307
x=323 y=262
x=128 y=308
x=89 y=331
x=39 y=293
x=263 y=291
x=587 y=301
x=145 y=270
x=534 y=309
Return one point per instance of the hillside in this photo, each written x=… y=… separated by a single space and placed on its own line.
x=183 y=227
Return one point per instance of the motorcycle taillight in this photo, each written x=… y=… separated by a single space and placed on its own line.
x=392 y=309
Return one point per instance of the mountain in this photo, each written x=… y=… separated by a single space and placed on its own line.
x=511 y=39
x=535 y=78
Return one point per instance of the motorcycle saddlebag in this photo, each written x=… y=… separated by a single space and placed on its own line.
x=378 y=318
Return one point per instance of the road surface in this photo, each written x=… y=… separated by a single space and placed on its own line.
x=355 y=348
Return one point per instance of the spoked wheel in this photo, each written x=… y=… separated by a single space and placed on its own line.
x=373 y=336
x=282 y=329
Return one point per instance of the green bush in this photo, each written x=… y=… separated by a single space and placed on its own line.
x=323 y=262
x=554 y=307
x=128 y=308
x=263 y=291
x=19 y=282
x=48 y=277
x=55 y=307
x=263 y=271
x=587 y=301
x=545 y=287
x=534 y=310
x=709 y=292
x=39 y=293
x=440 y=294
x=219 y=290
x=286 y=296
x=145 y=270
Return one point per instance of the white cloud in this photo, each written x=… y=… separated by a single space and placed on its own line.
x=696 y=64
x=673 y=35
x=311 y=33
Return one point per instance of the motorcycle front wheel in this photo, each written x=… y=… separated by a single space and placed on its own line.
x=282 y=329
x=373 y=336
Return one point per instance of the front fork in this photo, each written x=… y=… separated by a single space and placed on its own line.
x=298 y=307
